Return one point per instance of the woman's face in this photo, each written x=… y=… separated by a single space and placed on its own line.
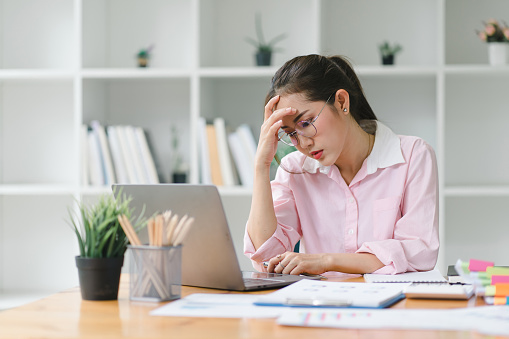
x=331 y=127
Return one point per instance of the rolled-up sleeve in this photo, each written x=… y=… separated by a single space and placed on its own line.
x=287 y=232
x=415 y=244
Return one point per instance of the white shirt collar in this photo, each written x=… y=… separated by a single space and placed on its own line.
x=386 y=152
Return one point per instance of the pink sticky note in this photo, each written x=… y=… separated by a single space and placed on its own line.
x=479 y=265
x=497 y=279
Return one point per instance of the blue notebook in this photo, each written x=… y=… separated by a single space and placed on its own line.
x=311 y=293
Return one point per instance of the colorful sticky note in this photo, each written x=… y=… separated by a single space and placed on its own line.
x=499 y=279
x=497 y=271
x=498 y=290
x=501 y=301
x=479 y=265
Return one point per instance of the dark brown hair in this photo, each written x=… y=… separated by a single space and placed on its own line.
x=316 y=77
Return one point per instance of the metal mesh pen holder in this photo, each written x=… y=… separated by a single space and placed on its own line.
x=155 y=273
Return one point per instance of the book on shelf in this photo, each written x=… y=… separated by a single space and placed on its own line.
x=126 y=154
x=241 y=160
x=84 y=155
x=119 y=162
x=139 y=170
x=146 y=157
x=205 y=176
x=117 y=154
x=223 y=151
x=104 y=153
x=95 y=171
x=248 y=143
x=226 y=156
x=215 y=167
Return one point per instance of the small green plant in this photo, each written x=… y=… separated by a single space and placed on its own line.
x=98 y=230
x=494 y=32
x=260 y=44
x=387 y=50
x=144 y=55
x=178 y=163
x=145 y=52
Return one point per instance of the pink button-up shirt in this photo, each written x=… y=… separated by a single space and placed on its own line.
x=390 y=209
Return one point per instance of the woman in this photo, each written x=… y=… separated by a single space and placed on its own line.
x=358 y=197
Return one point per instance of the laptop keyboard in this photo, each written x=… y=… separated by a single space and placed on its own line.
x=258 y=281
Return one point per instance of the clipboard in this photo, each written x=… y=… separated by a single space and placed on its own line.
x=331 y=294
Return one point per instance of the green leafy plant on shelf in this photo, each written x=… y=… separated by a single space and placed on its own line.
x=264 y=48
x=388 y=52
x=98 y=230
x=144 y=55
x=494 y=32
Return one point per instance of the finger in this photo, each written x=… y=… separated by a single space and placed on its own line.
x=280 y=114
x=273 y=263
x=270 y=106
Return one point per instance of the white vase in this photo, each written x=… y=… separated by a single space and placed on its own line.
x=498 y=53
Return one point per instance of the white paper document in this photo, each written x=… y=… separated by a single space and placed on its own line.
x=426 y=276
x=217 y=306
x=491 y=320
x=315 y=293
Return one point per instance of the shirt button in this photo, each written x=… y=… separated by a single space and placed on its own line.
x=350 y=200
x=350 y=231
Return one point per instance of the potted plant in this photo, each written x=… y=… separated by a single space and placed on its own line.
x=179 y=167
x=144 y=56
x=388 y=52
x=102 y=244
x=264 y=49
x=497 y=37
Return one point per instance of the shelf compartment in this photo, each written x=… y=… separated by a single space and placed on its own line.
x=343 y=33
x=47 y=233
x=471 y=234
x=242 y=103
x=114 y=31
x=45 y=35
x=412 y=109
x=462 y=19
x=223 y=35
x=153 y=104
x=476 y=140
x=37 y=117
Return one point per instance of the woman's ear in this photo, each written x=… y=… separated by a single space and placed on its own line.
x=342 y=101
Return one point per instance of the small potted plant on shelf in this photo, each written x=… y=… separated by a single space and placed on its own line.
x=497 y=37
x=102 y=243
x=388 y=52
x=264 y=49
x=143 y=56
x=179 y=166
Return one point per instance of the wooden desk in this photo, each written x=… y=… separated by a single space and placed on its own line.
x=65 y=315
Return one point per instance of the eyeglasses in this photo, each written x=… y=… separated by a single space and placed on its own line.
x=305 y=128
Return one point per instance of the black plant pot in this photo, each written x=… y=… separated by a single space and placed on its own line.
x=179 y=178
x=263 y=58
x=388 y=60
x=99 y=277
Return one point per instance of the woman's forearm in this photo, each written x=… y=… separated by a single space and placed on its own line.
x=357 y=263
x=262 y=222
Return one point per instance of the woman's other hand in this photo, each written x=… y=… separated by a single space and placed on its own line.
x=298 y=263
x=267 y=145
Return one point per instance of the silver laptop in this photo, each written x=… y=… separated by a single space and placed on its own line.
x=208 y=255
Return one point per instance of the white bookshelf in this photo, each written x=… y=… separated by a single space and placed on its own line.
x=64 y=63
